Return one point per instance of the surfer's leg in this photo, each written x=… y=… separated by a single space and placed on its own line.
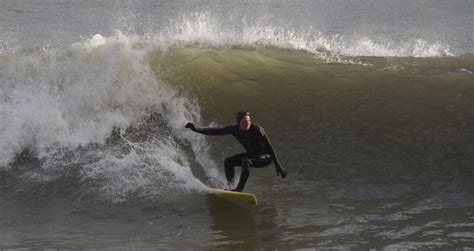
x=244 y=174
x=258 y=161
x=261 y=160
x=230 y=163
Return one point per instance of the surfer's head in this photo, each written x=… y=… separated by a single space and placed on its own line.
x=243 y=119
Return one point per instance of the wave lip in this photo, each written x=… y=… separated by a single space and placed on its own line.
x=203 y=28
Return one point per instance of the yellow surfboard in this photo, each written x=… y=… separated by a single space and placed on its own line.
x=247 y=200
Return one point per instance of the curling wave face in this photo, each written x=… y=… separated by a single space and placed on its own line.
x=59 y=102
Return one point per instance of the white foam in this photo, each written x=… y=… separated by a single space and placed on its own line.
x=71 y=97
x=55 y=98
x=96 y=41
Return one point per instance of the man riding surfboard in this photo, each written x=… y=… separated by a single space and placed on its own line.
x=259 y=150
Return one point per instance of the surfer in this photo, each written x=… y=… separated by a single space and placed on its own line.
x=259 y=150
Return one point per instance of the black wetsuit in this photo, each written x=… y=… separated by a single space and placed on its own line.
x=259 y=153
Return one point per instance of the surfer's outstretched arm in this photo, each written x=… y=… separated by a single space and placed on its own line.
x=209 y=130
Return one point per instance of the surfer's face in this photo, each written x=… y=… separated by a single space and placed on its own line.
x=245 y=123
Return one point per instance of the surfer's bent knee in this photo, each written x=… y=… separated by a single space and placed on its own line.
x=246 y=162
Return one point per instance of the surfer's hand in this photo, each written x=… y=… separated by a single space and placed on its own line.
x=190 y=126
x=281 y=172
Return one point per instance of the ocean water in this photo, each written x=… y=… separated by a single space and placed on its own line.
x=369 y=105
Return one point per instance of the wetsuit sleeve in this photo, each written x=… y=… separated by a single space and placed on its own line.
x=270 y=148
x=215 y=131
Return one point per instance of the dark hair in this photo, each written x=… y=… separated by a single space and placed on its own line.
x=241 y=114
